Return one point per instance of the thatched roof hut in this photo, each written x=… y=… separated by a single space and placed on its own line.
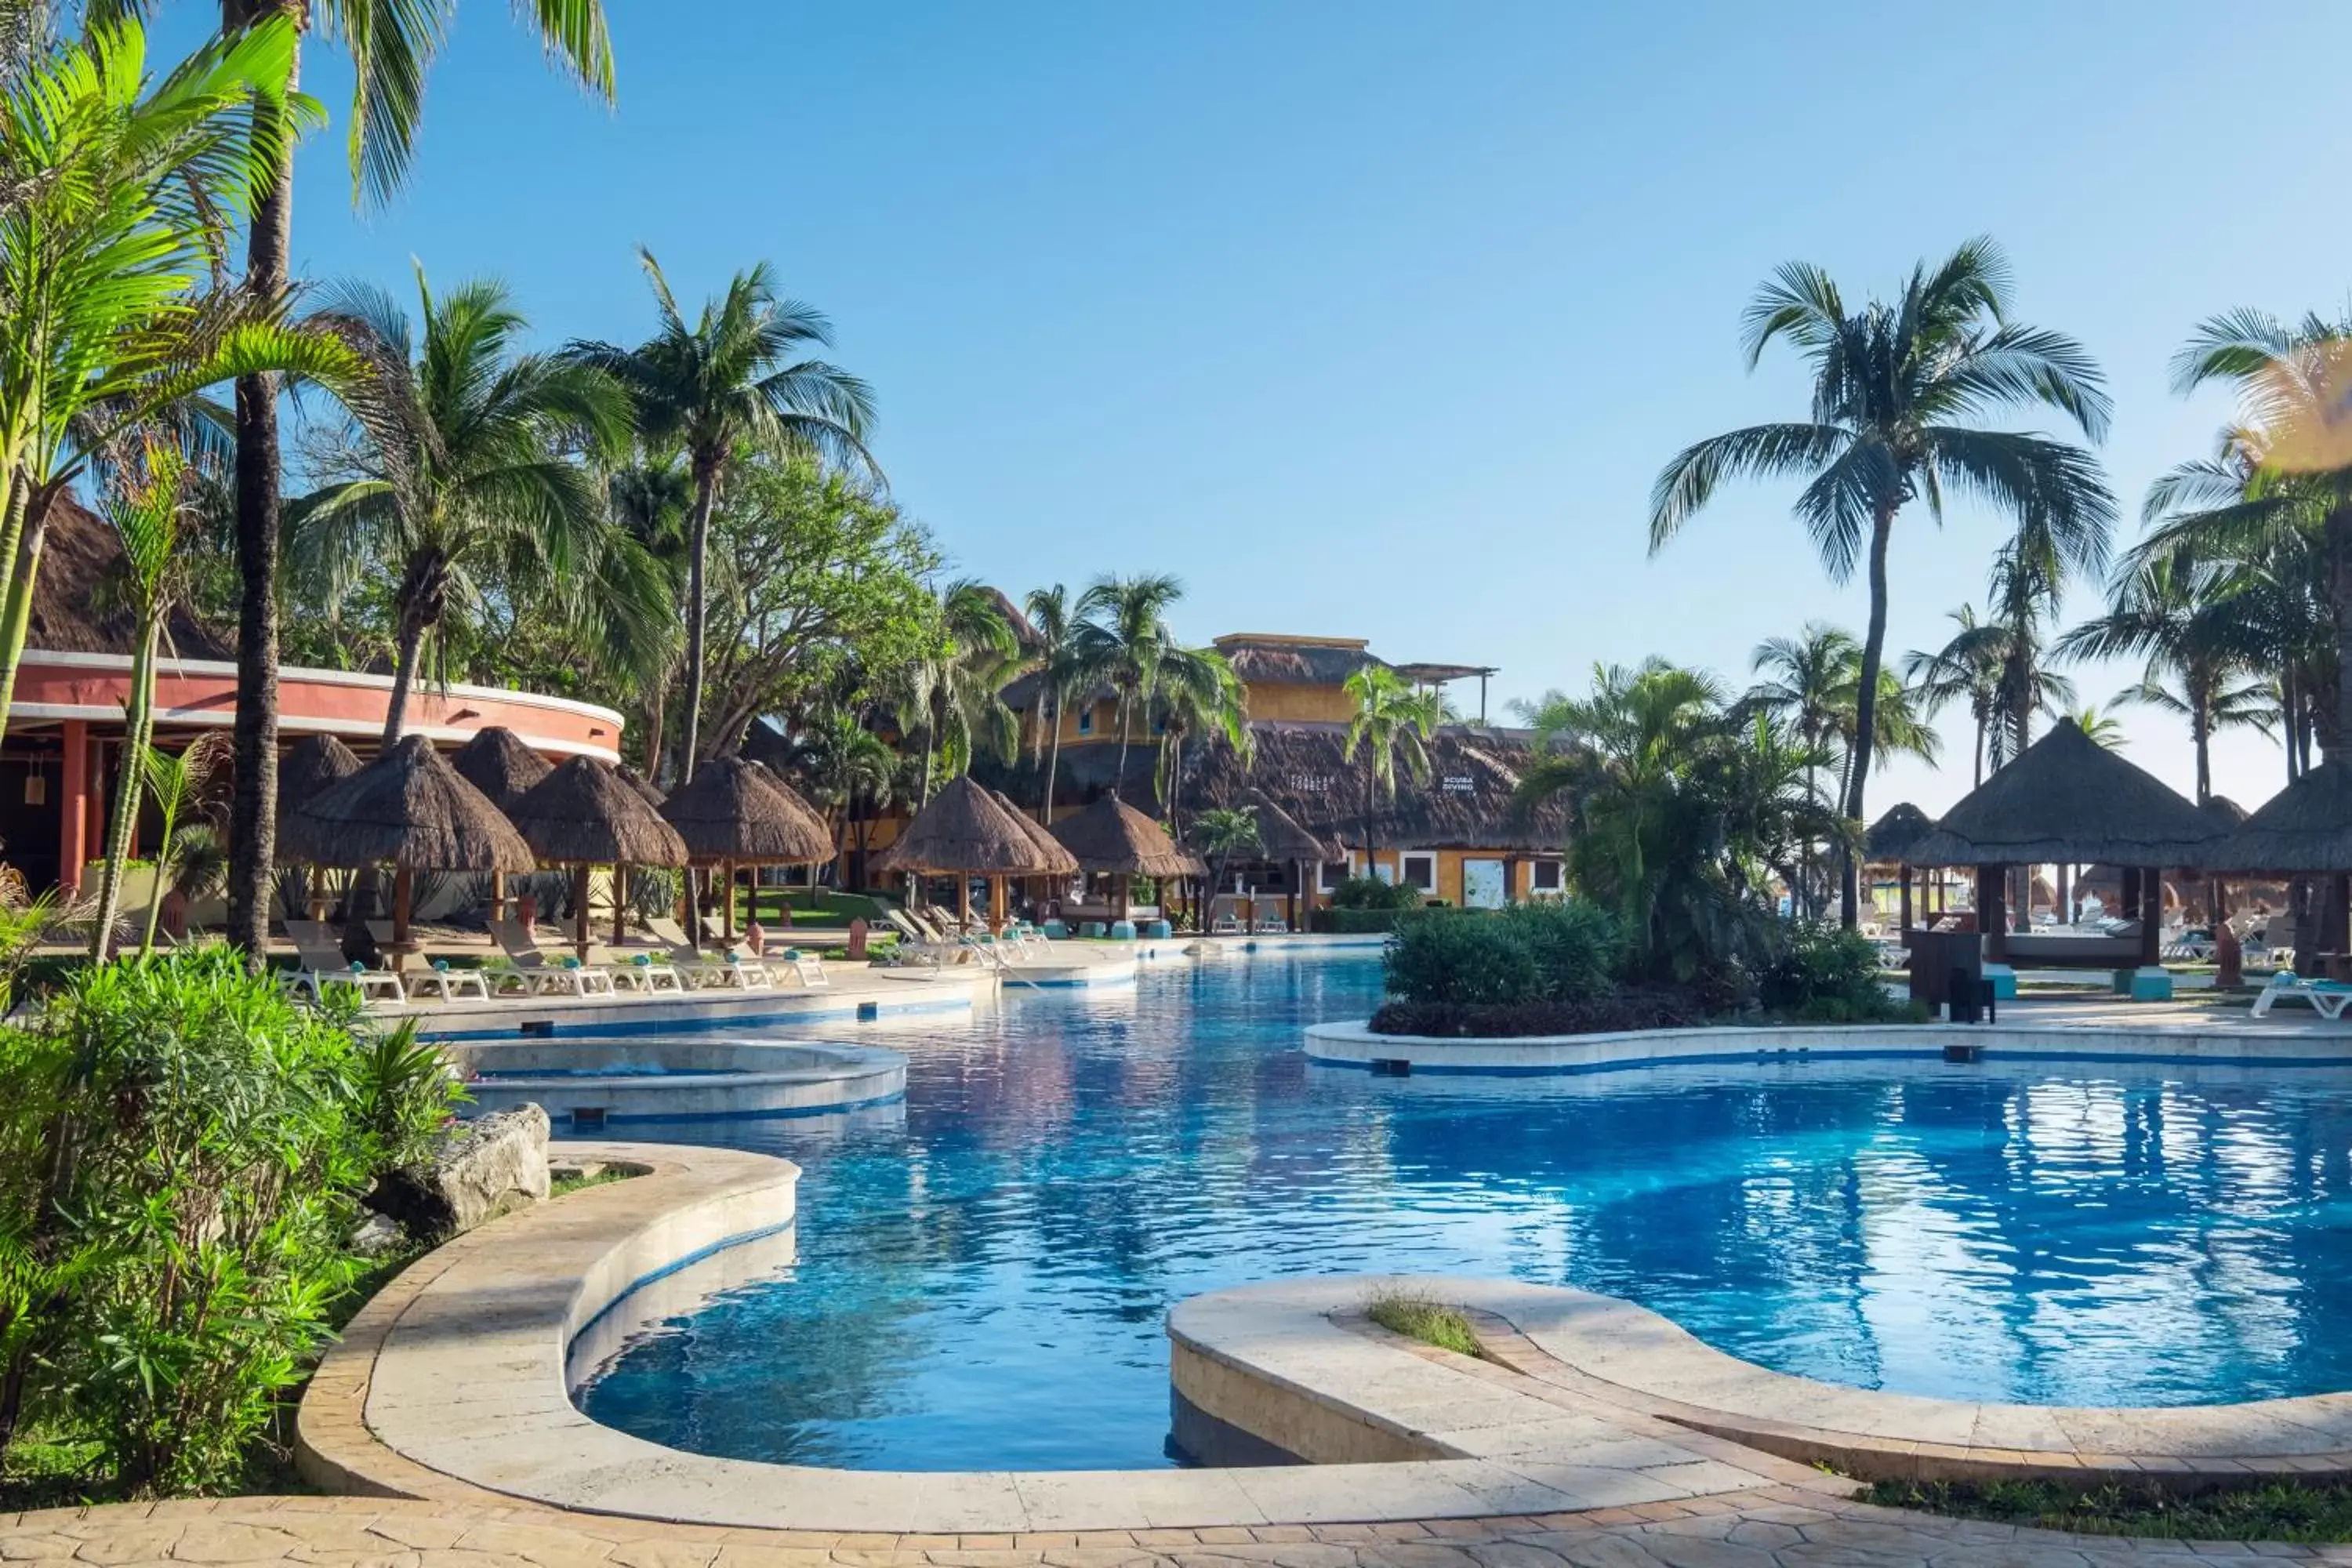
x=648 y=791
x=2223 y=814
x=1112 y=835
x=792 y=797
x=585 y=814
x=964 y=830
x=2067 y=798
x=496 y=762
x=77 y=605
x=407 y=808
x=315 y=764
x=1053 y=861
x=2306 y=828
x=727 y=812
x=1891 y=839
x=1279 y=836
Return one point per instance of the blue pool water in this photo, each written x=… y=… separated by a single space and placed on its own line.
x=981 y=1279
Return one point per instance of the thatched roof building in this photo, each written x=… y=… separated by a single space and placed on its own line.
x=496 y=762
x=1112 y=835
x=791 y=796
x=407 y=808
x=1053 y=861
x=1465 y=803
x=1262 y=659
x=728 y=812
x=78 y=605
x=2067 y=798
x=1891 y=839
x=585 y=814
x=2306 y=828
x=964 y=830
x=313 y=765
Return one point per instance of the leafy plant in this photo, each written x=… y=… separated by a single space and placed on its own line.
x=1417 y=1316
x=1371 y=893
x=403 y=1093
x=1827 y=974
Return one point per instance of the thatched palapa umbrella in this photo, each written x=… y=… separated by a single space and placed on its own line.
x=729 y=814
x=496 y=762
x=636 y=780
x=315 y=764
x=1052 y=859
x=1891 y=839
x=1282 y=839
x=1111 y=835
x=964 y=833
x=2068 y=799
x=583 y=813
x=411 y=810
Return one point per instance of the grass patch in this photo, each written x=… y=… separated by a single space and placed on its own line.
x=1419 y=1318
x=2277 y=1510
x=571 y=1181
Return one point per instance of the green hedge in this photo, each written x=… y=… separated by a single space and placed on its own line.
x=1567 y=951
x=1352 y=923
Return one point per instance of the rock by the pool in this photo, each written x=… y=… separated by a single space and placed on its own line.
x=492 y=1165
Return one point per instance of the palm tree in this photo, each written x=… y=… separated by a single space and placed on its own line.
x=1392 y=724
x=145 y=509
x=956 y=692
x=119 y=192
x=1068 y=663
x=2185 y=620
x=2102 y=730
x=459 y=468
x=1810 y=685
x=1967 y=668
x=188 y=857
x=850 y=771
x=732 y=377
x=1199 y=692
x=1899 y=390
x=1222 y=832
x=1125 y=633
x=392 y=47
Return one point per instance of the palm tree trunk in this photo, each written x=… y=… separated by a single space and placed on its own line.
x=253 y=811
x=1119 y=778
x=16 y=617
x=135 y=733
x=1865 y=713
x=1052 y=764
x=2201 y=729
x=697 y=606
x=404 y=674
x=654 y=730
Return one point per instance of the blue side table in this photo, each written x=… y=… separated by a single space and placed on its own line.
x=1122 y=930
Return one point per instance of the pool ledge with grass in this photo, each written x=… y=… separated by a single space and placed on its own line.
x=2043 y=1031
x=456 y=1384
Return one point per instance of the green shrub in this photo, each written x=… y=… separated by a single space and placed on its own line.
x=1568 y=952
x=1419 y=1318
x=1352 y=923
x=1826 y=974
x=1371 y=893
x=182 y=1154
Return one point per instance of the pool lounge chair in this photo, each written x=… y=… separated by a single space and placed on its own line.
x=1271 y=925
x=734 y=969
x=2329 y=999
x=920 y=943
x=548 y=974
x=437 y=978
x=320 y=963
x=641 y=972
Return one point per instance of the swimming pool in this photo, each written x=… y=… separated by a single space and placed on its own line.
x=981 y=1285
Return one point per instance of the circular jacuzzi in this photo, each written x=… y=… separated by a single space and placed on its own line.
x=588 y=1083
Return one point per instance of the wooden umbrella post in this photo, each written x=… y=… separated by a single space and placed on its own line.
x=963 y=901
x=727 y=907
x=620 y=905
x=498 y=895
x=404 y=887
x=318 y=893
x=996 y=903
x=580 y=910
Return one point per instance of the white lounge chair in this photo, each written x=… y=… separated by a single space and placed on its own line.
x=320 y=963
x=546 y=973
x=921 y=944
x=2329 y=999
x=641 y=972
x=1270 y=925
x=734 y=969
x=803 y=964
x=437 y=978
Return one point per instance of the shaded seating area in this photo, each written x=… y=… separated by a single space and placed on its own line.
x=2068 y=800
x=1111 y=837
x=964 y=833
x=735 y=814
x=2304 y=835
x=1285 y=843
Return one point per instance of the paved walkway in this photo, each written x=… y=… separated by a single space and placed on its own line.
x=1775 y=1527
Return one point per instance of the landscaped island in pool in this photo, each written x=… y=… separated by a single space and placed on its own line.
x=983 y=1286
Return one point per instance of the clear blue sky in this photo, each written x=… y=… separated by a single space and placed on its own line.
x=1379 y=319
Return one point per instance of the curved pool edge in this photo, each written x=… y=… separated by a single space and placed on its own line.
x=1353 y=1045
x=591 y=1082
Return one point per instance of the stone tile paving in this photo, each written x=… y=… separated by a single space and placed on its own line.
x=1806 y=1526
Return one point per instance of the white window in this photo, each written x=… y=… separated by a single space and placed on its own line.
x=1334 y=873
x=1543 y=878
x=1420 y=873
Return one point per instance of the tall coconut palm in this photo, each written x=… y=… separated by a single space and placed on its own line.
x=1899 y=389
x=1068 y=663
x=1126 y=637
x=392 y=44
x=459 y=452
x=1967 y=668
x=732 y=376
x=956 y=691
x=1199 y=694
x=1392 y=724
x=849 y=769
x=2185 y=620
x=1809 y=684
